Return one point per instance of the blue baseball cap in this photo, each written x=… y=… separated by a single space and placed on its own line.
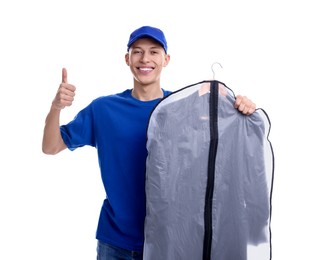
x=148 y=32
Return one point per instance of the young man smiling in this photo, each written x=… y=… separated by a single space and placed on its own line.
x=116 y=126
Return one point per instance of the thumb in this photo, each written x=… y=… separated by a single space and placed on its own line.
x=64 y=75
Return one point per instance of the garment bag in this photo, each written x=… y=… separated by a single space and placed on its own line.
x=209 y=177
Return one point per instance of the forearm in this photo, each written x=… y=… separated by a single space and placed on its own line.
x=52 y=138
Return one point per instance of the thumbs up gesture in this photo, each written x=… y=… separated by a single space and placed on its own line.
x=65 y=93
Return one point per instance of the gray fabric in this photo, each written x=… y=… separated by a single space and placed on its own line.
x=178 y=142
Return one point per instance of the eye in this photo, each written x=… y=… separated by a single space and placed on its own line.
x=137 y=51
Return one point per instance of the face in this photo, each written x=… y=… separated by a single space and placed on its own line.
x=146 y=59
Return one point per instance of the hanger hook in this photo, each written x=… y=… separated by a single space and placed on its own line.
x=212 y=68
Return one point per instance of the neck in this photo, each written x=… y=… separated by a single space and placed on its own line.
x=147 y=93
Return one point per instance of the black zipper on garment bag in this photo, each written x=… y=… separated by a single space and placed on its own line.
x=208 y=214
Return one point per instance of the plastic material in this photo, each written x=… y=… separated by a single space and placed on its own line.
x=209 y=174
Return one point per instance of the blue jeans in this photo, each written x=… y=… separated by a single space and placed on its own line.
x=109 y=252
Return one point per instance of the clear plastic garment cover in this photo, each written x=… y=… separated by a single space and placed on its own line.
x=209 y=175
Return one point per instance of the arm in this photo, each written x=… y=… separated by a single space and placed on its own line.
x=52 y=139
x=244 y=105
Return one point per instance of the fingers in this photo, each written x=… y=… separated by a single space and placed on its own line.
x=244 y=105
x=64 y=75
x=64 y=96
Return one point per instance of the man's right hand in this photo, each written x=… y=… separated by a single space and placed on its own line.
x=65 y=93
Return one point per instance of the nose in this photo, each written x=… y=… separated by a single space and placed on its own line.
x=145 y=57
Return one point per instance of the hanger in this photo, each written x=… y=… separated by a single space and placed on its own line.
x=212 y=68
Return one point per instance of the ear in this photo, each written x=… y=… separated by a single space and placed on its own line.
x=127 y=58
x=166 y=60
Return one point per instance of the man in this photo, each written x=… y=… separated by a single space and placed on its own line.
x=116 y=126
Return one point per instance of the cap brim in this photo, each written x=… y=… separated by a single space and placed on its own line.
x=145 y=35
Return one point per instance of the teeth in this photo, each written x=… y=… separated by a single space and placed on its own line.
x=146 y=69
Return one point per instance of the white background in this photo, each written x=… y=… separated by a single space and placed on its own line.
x=271 y=51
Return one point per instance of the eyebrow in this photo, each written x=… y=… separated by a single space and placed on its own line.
x=151 y=47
